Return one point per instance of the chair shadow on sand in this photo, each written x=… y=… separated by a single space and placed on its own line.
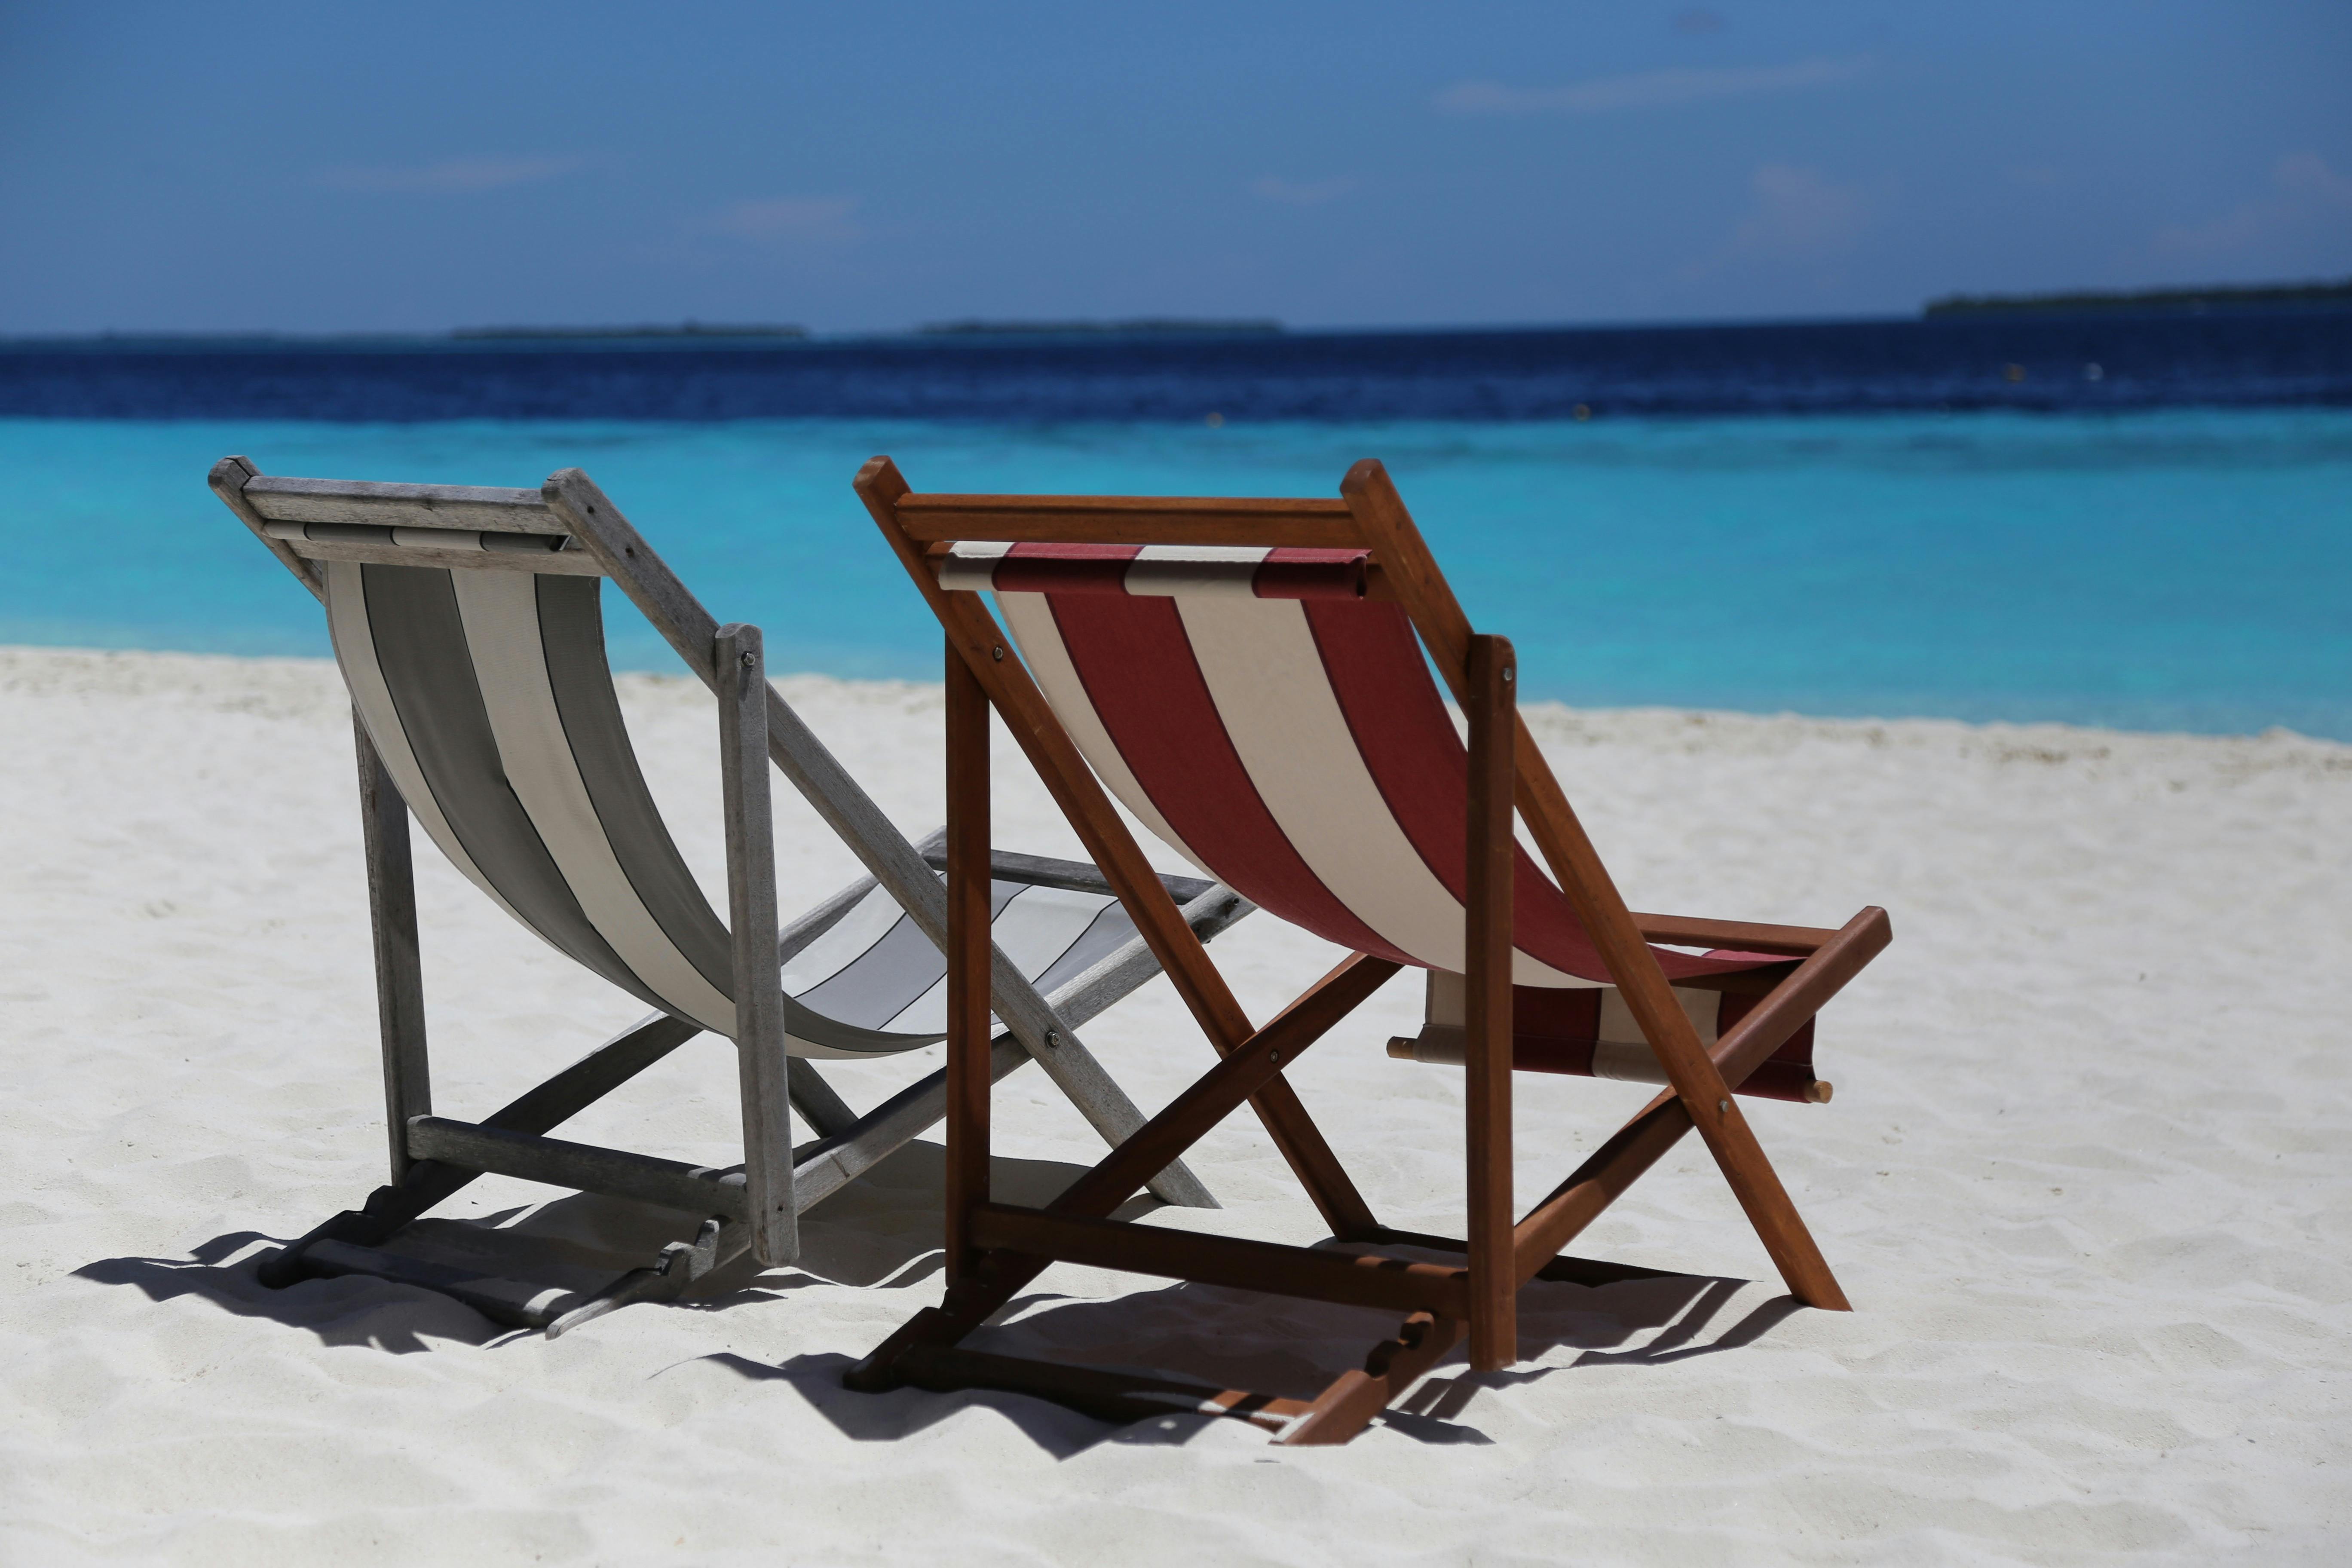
x=883 y=1231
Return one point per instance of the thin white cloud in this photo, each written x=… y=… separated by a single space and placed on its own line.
x=1801 y=214
x=1797 y=220
x=1651 y=90
x=790 y=219
x=1300 y=193
x=2306 y=196
x=450 y=177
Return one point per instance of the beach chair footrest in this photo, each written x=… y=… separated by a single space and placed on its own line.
x=584 y=1167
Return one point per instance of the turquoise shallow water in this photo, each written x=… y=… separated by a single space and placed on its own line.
x=2184 y=570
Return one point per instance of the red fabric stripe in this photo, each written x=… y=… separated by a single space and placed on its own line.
x=1555 y=1031
x=1064 y=568
x=1295 y=572
x=1400 y=723
x=1556 y=1012
x=1138 y=670
x=1374 y=664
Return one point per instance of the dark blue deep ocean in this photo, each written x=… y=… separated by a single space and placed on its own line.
x=2136 y=520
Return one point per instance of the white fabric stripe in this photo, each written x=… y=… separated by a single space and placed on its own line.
x=439 y=539
x=927 y=1016
x=1164 y=570
x=462 y=540
x=1250 y=553
x=1036 y=927
x=796 y=1047
x=1267 y=677
x=971 y=564
x=844 y=942
x=1033 y=930
x=500 y=612
x=355 y=640
x=1618 y=1027
x=1039 y=924
x=1031 y=620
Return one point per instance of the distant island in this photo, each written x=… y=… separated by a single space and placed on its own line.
x=1140 y=326
x=2323 y=296
x=683 y=330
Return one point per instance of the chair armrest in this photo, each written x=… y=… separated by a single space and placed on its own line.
x=1043 y=871
x=1742 y=936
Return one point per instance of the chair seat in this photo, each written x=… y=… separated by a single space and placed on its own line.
x=873 y=984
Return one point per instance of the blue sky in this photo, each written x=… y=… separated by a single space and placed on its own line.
x=321 y=168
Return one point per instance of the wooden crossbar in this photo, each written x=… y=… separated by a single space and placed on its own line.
x=1128 y=519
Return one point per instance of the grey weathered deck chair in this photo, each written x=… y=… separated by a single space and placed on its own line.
x=467 y=625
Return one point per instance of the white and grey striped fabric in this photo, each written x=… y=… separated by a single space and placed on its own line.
x=489 y=696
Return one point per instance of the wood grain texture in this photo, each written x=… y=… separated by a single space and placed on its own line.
x=1739 y=936
x=494 y=511
x=399 y=971
x=586 y=1167
x=1492 y=711
x=827 y=1114
x=229 y=479
x=1128 y=519
x=739 y=653
x=967 y=956
x=1348 y=1405
x=551 y=564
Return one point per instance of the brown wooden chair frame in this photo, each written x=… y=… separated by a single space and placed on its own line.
x=994 y=1250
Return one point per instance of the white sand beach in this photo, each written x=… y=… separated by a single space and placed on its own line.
x=2088 y=1177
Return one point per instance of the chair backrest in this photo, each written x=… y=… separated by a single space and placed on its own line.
x=1277 y=726
x=468 y=628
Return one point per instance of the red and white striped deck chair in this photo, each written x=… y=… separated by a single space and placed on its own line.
x=1248 y=679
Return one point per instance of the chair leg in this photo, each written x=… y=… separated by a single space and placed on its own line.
x=1242 y=1074
x=759 y=1058
x=968 y=956
x=827 y=1114
x=1493 y=1284
x=399 y=974
x=538 y=1109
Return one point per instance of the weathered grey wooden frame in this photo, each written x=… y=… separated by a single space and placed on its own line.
x=756 y=1208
